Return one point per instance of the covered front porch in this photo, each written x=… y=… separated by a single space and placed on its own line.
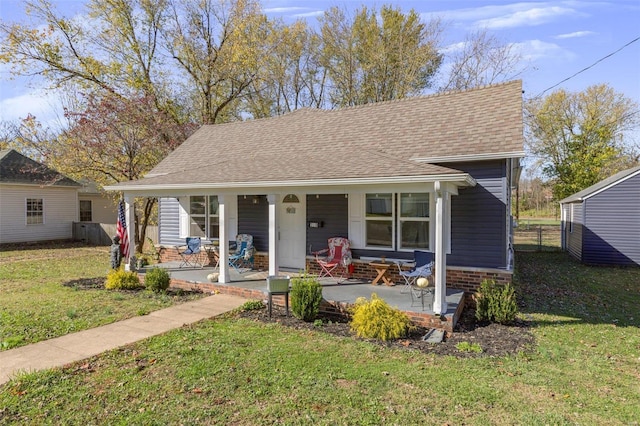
x=337 y=298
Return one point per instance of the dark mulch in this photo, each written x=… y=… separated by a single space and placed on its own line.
x=494 y=339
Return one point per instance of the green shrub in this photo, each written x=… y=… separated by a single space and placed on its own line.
x=157 y=280
x=375 y=319
x=119 y=279
x=306 y=295
x=252 y=305
x=469 y=347
x=496 y=302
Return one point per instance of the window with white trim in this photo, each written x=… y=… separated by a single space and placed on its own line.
x=414 y=221
x=34 y=211
x=379 y=221
x=203 y=213
x=399 y=221
x=85 y=211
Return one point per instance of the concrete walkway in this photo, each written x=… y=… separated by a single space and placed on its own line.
x=84 y=344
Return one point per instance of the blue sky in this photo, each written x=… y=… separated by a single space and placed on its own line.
x=557 y=38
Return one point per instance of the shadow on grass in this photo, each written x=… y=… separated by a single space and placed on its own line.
x=553 y=283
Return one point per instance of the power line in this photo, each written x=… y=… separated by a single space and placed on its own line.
x=585 y=69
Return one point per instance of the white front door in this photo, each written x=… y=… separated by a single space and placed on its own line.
x=292 y=235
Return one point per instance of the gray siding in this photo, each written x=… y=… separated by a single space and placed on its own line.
x=333 y=211
x=169 y=222
x=612 y=225
x=574 y=230
x=253 y=219
x=479 y=217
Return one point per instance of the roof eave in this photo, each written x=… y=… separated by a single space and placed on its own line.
x=470 y=157
x=462 y=179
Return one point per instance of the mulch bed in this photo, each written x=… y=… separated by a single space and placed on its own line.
x=495 y=339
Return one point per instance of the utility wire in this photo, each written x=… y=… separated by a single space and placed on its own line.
x=585 y=69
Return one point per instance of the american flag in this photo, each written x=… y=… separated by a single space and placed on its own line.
x=121 y=230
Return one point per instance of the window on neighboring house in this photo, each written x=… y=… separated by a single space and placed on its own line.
x=85 y=211
x=203 y=211
x=413 y=222
x=379 y=219
x=35 y=211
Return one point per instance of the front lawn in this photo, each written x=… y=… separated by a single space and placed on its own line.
x=51 y=290
x=585 y=369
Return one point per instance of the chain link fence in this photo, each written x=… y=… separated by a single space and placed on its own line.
x=529 y=237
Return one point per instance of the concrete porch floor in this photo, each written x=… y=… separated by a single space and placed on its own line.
x=343 y=294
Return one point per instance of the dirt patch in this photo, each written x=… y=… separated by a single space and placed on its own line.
x=494 y=339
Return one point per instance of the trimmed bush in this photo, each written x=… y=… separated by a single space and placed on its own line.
x=119 y=279
x=157 y=280
x=306 y=295
x=375 y=319
x=496 y=302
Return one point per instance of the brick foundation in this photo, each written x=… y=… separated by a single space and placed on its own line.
x=458 y=277
x=328 y=307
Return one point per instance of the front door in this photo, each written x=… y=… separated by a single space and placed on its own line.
x=292 y=235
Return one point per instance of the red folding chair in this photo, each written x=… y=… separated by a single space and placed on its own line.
x=338 y=258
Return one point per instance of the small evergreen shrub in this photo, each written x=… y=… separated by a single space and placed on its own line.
x=375 y=319
x=496 y=302
x=119 y=279
x=306 y=295
x=157 y=280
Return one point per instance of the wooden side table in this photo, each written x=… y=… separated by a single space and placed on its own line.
x=382 y=268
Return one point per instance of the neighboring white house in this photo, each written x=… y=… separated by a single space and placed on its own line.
x=36 y=202
x=95 y=206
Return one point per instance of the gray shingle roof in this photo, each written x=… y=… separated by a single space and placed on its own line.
x=16 y=168
x=611 y=180
x=369 y=141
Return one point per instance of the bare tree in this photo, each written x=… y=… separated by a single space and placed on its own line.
x=479 y=60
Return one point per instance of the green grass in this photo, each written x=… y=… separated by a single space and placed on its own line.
x=585 y=369
x=49 y=291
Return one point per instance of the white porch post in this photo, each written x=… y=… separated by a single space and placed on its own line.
x=223 y=241
x=440 y=295
x=129 y=213
x=273 y=234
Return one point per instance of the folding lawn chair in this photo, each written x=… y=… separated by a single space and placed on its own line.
x=338 y=258
x=191 y=256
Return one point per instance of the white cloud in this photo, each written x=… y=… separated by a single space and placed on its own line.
x=508 y=15
x=575 y=34
x=530 y=17
x=533 y=50
x=284 y=9
x=41 y=105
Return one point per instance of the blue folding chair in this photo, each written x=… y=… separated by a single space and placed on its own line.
x=243 y=256
x=191 y=255
x=422 y=268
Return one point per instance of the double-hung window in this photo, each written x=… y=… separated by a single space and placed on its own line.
x=413 y=222
x=379 y=218
x=398 y=221
x=34 y=211
x=203 y=210
x=85 y=211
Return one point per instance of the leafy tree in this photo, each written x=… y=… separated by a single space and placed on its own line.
x=219 y=49
x=371 y=60
x=578 y=137
x=116 y=140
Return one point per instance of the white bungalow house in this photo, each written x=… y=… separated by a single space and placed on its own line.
x=432 y=173
x=36 y=202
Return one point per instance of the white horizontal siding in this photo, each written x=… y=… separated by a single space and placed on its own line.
x=103 y=209
x=60 y=211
